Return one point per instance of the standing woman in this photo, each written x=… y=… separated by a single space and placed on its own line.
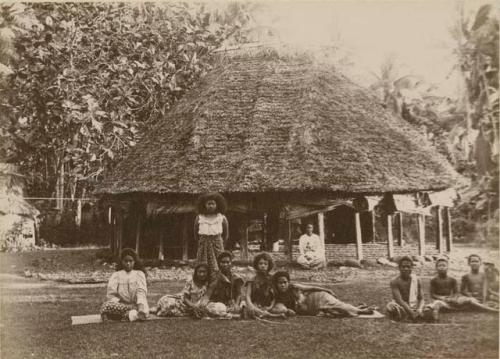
x=211 y=229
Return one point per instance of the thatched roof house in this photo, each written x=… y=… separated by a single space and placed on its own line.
x=278 y=135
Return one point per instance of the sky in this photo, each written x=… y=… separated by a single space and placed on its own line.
x=415 y=33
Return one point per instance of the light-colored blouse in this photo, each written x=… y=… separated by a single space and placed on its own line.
x=210 y=226
x=311 y=245
x=192 y=292
x=128 y=287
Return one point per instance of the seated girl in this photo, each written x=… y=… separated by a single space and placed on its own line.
x=260 y=293
x=294 y=298
x=126 y=291
x=187 y=302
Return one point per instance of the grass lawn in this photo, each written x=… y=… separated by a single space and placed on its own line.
x=35 y=323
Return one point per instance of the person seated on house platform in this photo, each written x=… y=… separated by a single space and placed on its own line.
x=312 y=250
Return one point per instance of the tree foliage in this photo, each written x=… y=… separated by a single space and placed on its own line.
x=464 y=129
x=89 y=78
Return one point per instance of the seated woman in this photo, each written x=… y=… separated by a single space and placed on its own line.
x=294 y=298
x=260 y=292
x=223 y=296
x=187 y=302
x=312 y=251
x=127 y=290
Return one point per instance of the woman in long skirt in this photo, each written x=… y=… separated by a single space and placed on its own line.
x=211 y=229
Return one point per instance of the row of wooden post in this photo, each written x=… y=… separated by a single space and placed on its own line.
x=390 y=237
x=115 y=218
x=161 y=250
x=421 y=233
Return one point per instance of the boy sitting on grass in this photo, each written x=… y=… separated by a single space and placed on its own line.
x=408 y=295
x=474 y=285
x=444 y=292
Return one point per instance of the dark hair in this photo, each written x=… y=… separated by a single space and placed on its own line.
x=195 y=273
x=137 y=261
x=441 y=260
x=224 y=255
x=405 y=259
x=471 y=256
x=266 y=256
x=490 y=268
x=217 y=197
x=279 y=274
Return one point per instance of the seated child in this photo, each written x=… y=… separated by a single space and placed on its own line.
x=223 y=295
x=260 y=292
x=186 y=303
x=407 y=292
x=126 y=291
x=474 y=284
x=491 y=273
x=294 y=298
x=444 y=292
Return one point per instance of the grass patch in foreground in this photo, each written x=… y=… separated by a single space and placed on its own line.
x=43 y=330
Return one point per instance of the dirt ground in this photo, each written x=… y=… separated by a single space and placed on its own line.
x=35 y=318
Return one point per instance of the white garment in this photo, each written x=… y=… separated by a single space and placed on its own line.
x=413 y=296
x=210 y=226
x=128 y=287
x=311 y=246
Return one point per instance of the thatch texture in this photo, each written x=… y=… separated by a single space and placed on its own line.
x=265 y=123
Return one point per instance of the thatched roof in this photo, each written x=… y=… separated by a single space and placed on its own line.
x=268 y=123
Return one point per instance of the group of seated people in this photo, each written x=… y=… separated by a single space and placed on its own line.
x=224 y=294
x=478 y=290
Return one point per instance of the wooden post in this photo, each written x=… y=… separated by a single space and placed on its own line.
x=439 y=237
x=400 y=229
x=109 y=215
x=161 y=251
x=138 y=233
x=244 y=241
x=421 y=235
x=185 y=238
x=321 y=226
x=321 y=229
x=36 y=232
x=263 y=245
x=390 y=239
x=111 y=223
x=119 y=230
x=78 y=219
x=359 y=241
x=374 y=228
x=290 y=240
x=449 y=237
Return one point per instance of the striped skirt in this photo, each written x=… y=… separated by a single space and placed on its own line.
x=209 y=247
